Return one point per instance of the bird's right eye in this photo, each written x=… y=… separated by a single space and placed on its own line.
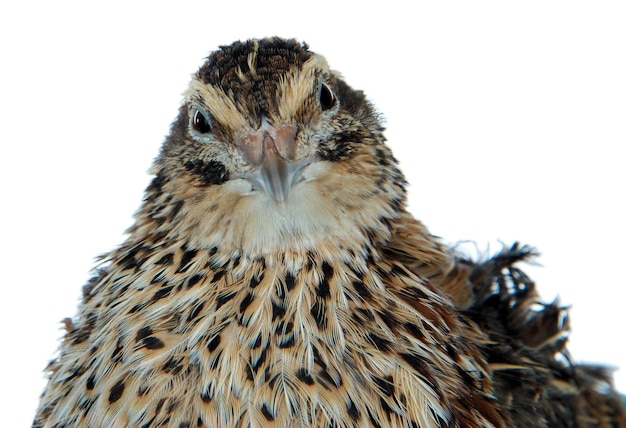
x=200 y=122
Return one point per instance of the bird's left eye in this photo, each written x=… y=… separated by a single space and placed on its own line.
x=326 y=97
x=201 y=123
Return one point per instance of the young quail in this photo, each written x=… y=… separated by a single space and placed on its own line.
x=273 y=278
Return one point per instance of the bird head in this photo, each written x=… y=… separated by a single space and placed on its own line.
x=271 y=148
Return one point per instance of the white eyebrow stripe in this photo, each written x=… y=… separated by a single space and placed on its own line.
x=221 y=106
x=296 y=87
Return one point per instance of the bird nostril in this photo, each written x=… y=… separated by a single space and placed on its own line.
x=285 y=141
x=250 y=146
x=254 y=145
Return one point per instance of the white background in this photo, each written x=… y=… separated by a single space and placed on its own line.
x=508 y=119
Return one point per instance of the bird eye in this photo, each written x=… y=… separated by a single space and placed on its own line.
x=327 y=97
x=201 y=123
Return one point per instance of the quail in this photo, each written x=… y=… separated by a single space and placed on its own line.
x=274 y=278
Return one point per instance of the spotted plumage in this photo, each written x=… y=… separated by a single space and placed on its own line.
x=274 y=278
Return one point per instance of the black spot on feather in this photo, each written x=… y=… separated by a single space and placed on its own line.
x=116 y=391
x=361 y=289
x=173 y=366
x=304 y=376
x=194 y=313
x=213 y=343
x=255 y=280
x=142 y=333
x=194 y=280
x=318 y=310
x=167 y=259
x=278 y=310
x=211 y=172
x=246 y=302
x=217 y=276
x=259 y=361
x=224 y=298
x=188 y=256
x=152 y=342
x=380 y=343
x=91 y=382
x=385 y=384
x=266 y=412
x=323 y=288
x=290 y=281
x=162 y=292
x=353 y=411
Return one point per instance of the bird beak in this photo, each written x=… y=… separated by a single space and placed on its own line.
x=271 y=152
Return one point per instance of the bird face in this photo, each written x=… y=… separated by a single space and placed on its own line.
x=271 y=148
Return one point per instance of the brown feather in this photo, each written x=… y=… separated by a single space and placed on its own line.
x=233 y=305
